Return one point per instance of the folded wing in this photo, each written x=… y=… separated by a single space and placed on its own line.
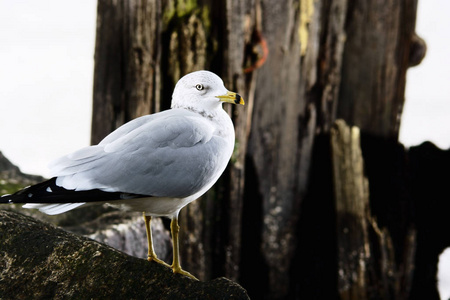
x=168 y=155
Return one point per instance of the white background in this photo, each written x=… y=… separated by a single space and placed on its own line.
x=46 y=79
x=46 y=73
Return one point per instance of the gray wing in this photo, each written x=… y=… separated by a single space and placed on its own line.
x=172 y=154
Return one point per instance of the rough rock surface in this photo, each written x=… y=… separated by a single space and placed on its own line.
x=46 y=262
x=125 y=231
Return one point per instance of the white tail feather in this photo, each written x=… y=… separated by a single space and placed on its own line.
x=53 y=209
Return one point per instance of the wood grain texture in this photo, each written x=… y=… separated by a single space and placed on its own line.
x=323 y=60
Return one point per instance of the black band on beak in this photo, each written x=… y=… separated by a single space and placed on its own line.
x=238 y=99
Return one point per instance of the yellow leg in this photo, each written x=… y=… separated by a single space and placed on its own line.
x=176 y=267
x=151 y=252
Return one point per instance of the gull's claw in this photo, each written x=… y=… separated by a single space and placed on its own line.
x=159 y=261
x=178 y=270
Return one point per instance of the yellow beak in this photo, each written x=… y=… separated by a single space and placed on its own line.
x=231 y=97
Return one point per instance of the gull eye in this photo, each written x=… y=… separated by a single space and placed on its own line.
x=199 y=87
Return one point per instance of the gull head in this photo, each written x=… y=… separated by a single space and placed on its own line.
x=202 y=90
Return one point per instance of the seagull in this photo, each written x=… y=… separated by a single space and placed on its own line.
x=155 y=164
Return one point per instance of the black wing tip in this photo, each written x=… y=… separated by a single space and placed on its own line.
x=5 y=199
x=29 y=194
x=48 y=192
